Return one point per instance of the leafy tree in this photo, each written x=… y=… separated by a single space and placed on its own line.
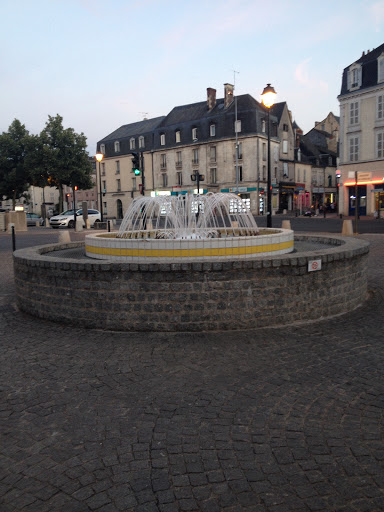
x=14 y=172
x=60 y=158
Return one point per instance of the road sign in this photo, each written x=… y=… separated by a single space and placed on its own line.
x=314 y=265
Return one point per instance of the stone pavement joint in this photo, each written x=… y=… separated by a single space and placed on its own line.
x=273 y=420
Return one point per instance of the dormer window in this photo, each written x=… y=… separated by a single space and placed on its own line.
x=212 y=130
x=117 y=146
x=237 y=126
x=102 y=149
x=132 y=143
x=141 y=141
x=263 y=125
x=194 y=134
x=177 y=136
x=354 y=77
x=380 y=68
x=162 y=139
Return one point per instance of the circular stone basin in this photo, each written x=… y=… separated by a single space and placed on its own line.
x=146 y=246
x=327 y=280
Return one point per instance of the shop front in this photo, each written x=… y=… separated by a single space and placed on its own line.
x=286 y=196
x=301 y=198
x=378 y=192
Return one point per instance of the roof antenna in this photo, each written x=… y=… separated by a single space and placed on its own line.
x=145 y=115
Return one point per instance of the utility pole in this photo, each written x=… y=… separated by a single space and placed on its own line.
x=236 y=135
x=142 y=173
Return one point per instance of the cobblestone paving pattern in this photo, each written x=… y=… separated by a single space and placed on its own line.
x=272 y=420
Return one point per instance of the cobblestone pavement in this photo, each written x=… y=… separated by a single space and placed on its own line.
x=272 y=420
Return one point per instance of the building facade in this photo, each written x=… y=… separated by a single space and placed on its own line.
x=362 y=135
x=222 y=140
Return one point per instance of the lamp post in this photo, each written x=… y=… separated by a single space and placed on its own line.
x=99 y=157
x=268 y=99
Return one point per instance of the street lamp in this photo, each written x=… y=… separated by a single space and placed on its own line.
x=268 y=99
x=99 y=157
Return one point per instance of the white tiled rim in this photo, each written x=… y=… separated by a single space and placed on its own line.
x=271 y=242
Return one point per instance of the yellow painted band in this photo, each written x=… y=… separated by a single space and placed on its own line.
x=189 y=253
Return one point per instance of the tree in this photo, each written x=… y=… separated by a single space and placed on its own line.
x=61 y=158
x=14 y=171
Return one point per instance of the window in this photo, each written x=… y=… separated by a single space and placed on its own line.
x=240 y=150
x=305 y=176
x=162 y=139
x=133 y=184
x=117 y=146
x=103 y=168
x=264 y=151
x=285 y=169
x=263 y=125
x=179 y=177
x=379 y=145
x=285 y=127
x=238 y=126
x=353 y=149
x=163 y=161
x=276 y=153
x=212 y=152
x=275 y=171
x=102 y=149
x=240 y=172
x=380 y=107
x=329 y=180
x=264 y=172
x=177 y=136
x=298 y=175
x=141 y=141
x=354 y=77
x=212 y=130
x=178 y=158
x=118 y=185
x=212 y=176
x=285 y=146
x=380 y=68
x=117 y=167
x=104 y=186
x=195 y=157
x=354 y=112
x=132 y=143
x=165 y=180
x=194 y=133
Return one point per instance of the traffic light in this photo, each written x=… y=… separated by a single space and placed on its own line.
x=136 y=164
x=68 y=195
x=75 y=187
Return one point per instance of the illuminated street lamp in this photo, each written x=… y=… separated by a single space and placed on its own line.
x=99 y=157
x=268 y=99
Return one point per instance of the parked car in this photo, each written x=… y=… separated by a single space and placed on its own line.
x=67 y=218
x=32 y=218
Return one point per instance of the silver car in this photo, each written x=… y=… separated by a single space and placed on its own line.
x=32 y=218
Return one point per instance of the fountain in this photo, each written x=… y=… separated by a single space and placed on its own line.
x=188 y=227
x=192 y=263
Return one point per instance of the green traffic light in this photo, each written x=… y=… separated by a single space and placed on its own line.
x=137 y=172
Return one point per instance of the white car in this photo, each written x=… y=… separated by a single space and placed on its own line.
x=67 y=219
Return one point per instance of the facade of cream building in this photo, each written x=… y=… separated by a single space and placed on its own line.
x=362 y=135
x=198 y=138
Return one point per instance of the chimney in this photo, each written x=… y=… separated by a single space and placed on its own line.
x=363 y=54
x=228 y=95
x=211 y=98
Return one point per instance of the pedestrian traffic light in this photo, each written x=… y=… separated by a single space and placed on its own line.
x=136 y=164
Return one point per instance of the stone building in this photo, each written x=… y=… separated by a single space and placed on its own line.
x=362 y=135
x=197 y=138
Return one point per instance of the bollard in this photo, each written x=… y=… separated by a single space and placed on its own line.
x=286 y=224
x=79 y=225
x=13 y=238
x=109 y=226
x=341 y=215
x=64 y=237
x=347 y=228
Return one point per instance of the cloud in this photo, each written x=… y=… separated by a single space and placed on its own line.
x=303 y=76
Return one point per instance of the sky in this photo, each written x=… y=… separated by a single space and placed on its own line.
x=103 y=64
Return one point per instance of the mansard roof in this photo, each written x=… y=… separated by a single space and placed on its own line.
x=278 y=108
x=368 y=62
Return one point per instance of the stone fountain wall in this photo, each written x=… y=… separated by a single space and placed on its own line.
x=193 y=296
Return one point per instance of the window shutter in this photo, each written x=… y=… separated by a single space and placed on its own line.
x=359 y=76
x=349 y=77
